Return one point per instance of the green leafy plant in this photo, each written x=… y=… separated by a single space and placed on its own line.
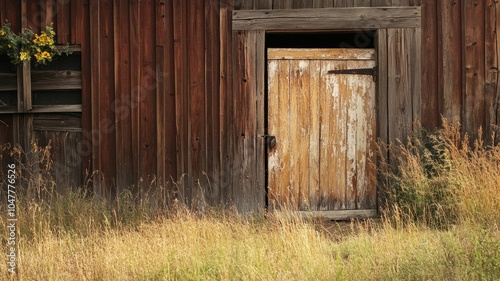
x=29 y=45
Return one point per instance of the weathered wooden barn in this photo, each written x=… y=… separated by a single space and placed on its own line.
x=250 y=102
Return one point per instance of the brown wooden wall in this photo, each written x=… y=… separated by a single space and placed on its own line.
x=156 y=94
x=70 y=19
x=170 y=92
x=460 y=52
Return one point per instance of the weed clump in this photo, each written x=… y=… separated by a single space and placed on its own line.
x=442 y=179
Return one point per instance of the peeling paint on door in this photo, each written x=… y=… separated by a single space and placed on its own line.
x=325 y=128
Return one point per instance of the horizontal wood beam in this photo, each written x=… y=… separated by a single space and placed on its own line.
x=328 y=19
x=321 y=54
x=56 y=108
x=57 y=123
x=56 y=80
x=44 y=80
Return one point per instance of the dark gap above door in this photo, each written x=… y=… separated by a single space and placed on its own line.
x=360 y=39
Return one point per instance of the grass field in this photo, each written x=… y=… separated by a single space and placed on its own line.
x=441 y=222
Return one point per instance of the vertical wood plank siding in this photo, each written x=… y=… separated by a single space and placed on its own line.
x=462 y=37
x=170 y=92
x=71 y=22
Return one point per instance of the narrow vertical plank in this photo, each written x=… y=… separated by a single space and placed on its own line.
x=400 y=107
x=260 y=57
x=382 y=87
x=491 y=68
x=295 y=133
x=249 y=124
x=168 y=77
x=326 y=108
x=134 y=84
x=85 y=149
x=182 y=102
x=75 y=22
x=226 y=82
x=34 y=15
x=236 y=128
x=339 y=133
x=352 y=145
x=63 y=24
x=147 y=108
x=274 y=163
x=430 y=111
x=210 y=30
x=474 y=66
x=124 y=172
x=197 y=109
x=212 y=191
x=106 y=97
x=47 y=12
x=314 y=134
x=94 y=96
x=285 y=133
x=415 y=71
x=26 y=86
x=161 y=94
x=304 y=130
x=451 y=60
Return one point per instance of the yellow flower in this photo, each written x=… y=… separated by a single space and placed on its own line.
x=43 y=40
x=9 y=46
x=46 y=55
x=42 y=56
x=2 y=32
x=24 y=55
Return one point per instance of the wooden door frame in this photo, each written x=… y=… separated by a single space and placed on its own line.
x=257 y=40
x=257 y=23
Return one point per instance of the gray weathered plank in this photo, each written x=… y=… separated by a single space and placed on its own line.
x=56 y=80
x=56 y=108
x=382 y=103
x=327 y=18
x=260 y=92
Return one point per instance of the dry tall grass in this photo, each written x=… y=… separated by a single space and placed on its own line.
x=442 y=224
x=442 y=179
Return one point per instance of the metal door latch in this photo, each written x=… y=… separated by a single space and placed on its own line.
x=270 y=141
x=357 y=71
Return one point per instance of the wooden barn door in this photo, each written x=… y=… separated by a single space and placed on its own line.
x=321 y=112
